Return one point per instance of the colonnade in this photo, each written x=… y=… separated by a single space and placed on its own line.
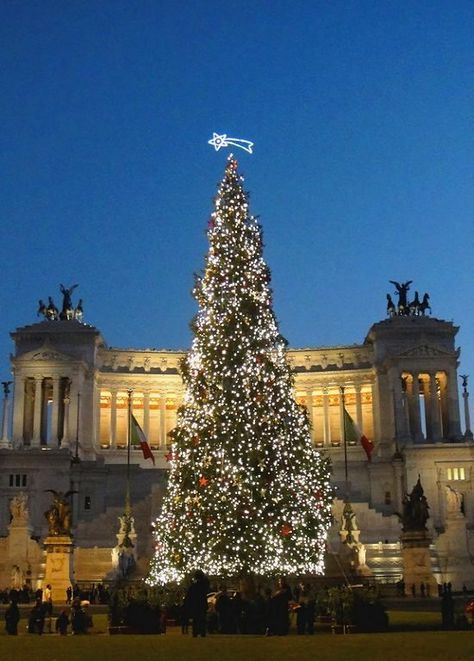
x=154 y=411
x=425 y=405
x=42 y=413
x=326 y=410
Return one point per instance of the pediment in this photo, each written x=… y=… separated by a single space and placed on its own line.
x=46 y=353
x=426 y=351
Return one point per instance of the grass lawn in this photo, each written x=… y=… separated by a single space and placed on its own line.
x=394 y=646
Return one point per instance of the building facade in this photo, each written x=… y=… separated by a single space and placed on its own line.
x=69 y=416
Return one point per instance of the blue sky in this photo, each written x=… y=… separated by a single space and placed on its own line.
x=361 y=114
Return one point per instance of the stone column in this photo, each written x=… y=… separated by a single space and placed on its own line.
x=163 y=421
x=358 y=393
x=309 y=406
x=19 y=410
x=467 y=417
x=434 y=409
x=55 y=411
x=65 y=443
x=415 y=407
x=4 y=442
x=36 y=440
x=113 y=420
x=400 y=420
x=454 y=422
x=146 y=415
x=326 y=421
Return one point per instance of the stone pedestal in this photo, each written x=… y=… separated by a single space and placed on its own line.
x=416 y=560
x=59 y=571
x=454 y=554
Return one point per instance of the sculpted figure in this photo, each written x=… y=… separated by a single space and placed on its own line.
x=19 y=508
x=59 y=516
x=425 y=304
x=402 y=289
x=79 y=312
x=391 y=311
x=415 y=509
x=41 y=309
x=67 y=311
x=415 y=305
x=51 y=310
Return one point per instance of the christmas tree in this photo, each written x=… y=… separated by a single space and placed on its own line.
x=247 y=491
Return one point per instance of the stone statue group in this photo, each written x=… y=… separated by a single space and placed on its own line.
x=412 y=308
x=68 y=311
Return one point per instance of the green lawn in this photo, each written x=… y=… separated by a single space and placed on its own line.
x=445 y=646
x=393 y=646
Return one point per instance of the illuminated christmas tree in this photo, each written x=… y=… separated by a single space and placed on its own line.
x=247 y=491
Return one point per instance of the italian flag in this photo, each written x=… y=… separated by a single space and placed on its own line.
x=137 y=437
x=353 y=434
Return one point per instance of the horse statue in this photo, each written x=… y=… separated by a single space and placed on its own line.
x=425 y=305
x=67 y=311
x=402 y=289
x=79 y=311
x=391 y=310
x=51 y=310
x=414 y=306
x=41 y=309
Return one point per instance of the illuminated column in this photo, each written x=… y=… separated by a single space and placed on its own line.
x=415 y=404
x=400 y=419
x=146 y=415
x=358 y=406
x=326 y=421
x=36 y=440
x=163 y=421
x=454 y=422
x=67 y=424
x=113 y=419
x=19 y=409
x=434 y=409
x=309 y=406
x=55 y=411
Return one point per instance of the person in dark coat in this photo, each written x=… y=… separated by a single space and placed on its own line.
x=196 y=601
x=12 y=617
x=225 y=612
x=62 y=623
x=280 y=620
x=36 y=619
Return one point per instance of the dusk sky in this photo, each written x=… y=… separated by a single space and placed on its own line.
x=362 y=119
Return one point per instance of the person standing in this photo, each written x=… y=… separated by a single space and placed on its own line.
x=69 y=595
x=12 y=617
x=196 y=599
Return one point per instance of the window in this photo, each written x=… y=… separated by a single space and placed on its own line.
x=388 y=498
x=18 y=480
x=87 y=502
x=455 y=473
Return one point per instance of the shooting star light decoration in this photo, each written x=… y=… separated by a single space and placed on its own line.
x=218 y=141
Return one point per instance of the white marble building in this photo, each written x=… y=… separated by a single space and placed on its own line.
x=69 y=431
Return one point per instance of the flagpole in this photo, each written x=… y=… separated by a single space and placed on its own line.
x=129 y=443
x=346 y=473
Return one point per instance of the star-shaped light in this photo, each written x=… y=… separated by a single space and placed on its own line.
x=203 y=481
x=222 y=140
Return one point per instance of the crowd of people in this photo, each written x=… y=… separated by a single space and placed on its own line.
x=227 y=611
x=40 y=617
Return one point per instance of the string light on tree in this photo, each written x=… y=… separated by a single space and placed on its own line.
x=247 y=491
